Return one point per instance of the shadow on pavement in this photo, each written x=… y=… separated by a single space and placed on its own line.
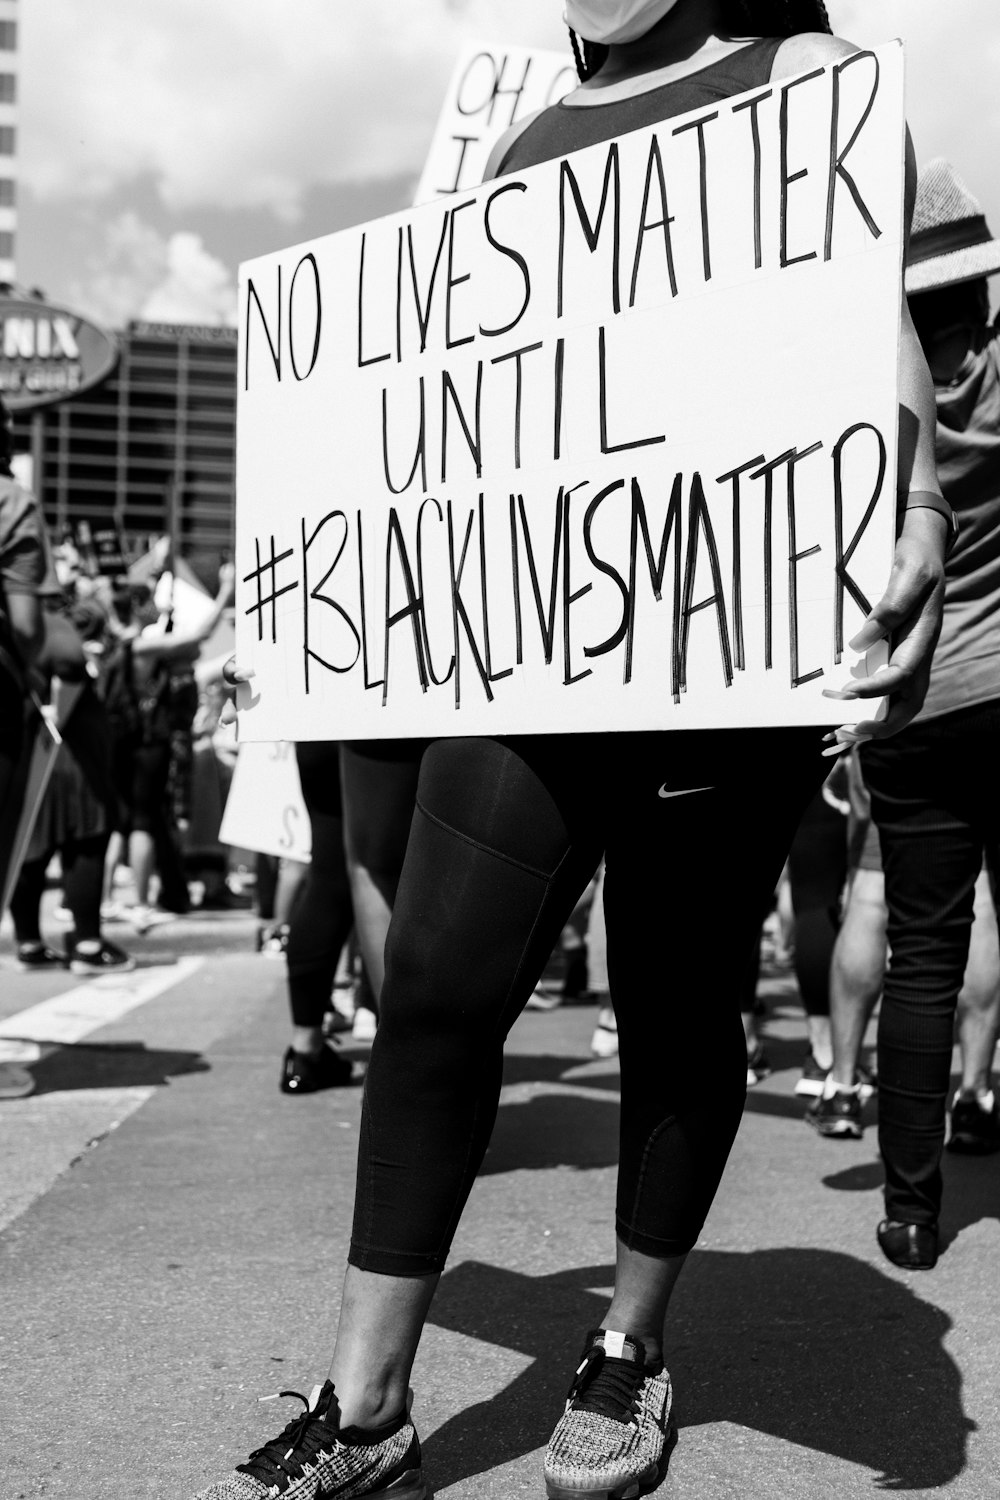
x=554 y=1130
x=111 y=1065
x=809 y=1346
x=547 y=1067
x=971 y=1193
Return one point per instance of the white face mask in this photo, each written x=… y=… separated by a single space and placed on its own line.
x=610 y=21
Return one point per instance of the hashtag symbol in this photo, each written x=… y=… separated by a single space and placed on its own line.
x=269 y=565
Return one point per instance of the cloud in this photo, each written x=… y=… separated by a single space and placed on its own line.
x=245 y=103
x=197 y=287
x=134 y=271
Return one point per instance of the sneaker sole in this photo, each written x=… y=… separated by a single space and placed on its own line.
x=650 y=1479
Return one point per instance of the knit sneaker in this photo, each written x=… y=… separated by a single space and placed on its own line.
x=313 y=1459
x=615 y=1437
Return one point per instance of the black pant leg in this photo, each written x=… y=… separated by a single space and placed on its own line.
x=689 y=881
x=496 y=861
x=934 y=791
x=322 y=915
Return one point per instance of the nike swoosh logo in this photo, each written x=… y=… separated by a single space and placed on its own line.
x=684 y=791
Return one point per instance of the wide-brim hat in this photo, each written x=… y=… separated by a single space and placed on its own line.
x=950 y=240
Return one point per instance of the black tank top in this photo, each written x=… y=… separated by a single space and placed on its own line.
x=563 y=128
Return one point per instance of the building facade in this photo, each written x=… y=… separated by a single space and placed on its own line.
x=152 y=449
x=8 y=139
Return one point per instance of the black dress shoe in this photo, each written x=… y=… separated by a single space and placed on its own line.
x=912 y=1246
x=303 y=1074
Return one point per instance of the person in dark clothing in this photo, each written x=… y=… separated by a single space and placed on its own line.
x=935 y=788
x=24 y=564
x=320 y=924
x=506 y=835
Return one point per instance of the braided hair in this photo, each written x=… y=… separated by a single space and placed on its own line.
x=740 y=17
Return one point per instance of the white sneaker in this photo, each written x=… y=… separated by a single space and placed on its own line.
x=604 y=1042
x=544 y=997
x=143 y=918
x=365 y=1025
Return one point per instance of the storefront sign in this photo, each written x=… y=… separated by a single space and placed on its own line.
x=604 y=444
x=48 y=353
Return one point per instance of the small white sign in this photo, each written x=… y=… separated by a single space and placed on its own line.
x=606 y=444
x=265 y=810
x=491 y=88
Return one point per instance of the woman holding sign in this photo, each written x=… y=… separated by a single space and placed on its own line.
x=506 y=835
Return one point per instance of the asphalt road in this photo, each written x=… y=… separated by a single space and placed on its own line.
x=172 y=1232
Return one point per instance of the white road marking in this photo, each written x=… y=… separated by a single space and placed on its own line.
x=73 y=1015
x=44 y=1134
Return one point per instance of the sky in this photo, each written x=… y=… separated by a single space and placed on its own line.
x=162 y=144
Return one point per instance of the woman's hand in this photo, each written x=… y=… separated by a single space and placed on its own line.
x=234 y=677
x=227 y=581
x=910 y=612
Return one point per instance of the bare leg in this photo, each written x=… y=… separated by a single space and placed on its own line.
x=308 y=1040
x=856 y=971
x=381 y=1320
x=111 y=862
x=373 y=898
x=142 y=858
x=291 y=874
x=820 y=1044
x=979 y=999
x=643 y=1286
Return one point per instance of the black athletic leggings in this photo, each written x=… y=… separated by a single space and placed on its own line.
x=82 y=862
x=817 y=869
x=322 y=916
x=505 y=837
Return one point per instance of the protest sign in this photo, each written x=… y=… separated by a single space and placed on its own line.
x=31 y=780
x=606 y=444
x=491 y=88
x=264 y=807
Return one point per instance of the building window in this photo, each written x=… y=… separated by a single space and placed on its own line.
x=8 y=36
x=8 y=137
x=6 y=245
x=8 y=192
x=8 y=88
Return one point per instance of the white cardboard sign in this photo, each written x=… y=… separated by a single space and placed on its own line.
x=605 y=444
x=491 y=88
x=265 y=809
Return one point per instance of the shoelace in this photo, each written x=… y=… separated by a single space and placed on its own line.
x=608 y=1386
x=298 y=1444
